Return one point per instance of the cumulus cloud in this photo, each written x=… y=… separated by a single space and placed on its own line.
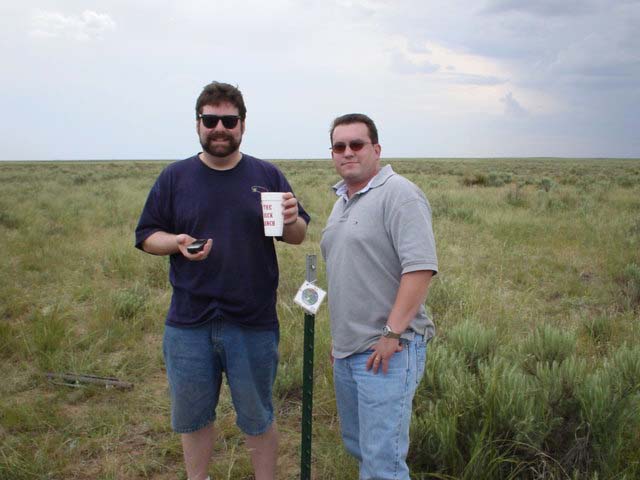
x=417 y=46
x=86 y=26
x=400 y=63
x=445 y=65
x=473 y=79
x=512 y=107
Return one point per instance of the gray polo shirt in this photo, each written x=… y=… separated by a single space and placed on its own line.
x=371 y=239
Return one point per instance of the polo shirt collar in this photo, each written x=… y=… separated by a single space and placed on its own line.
x=380 y=178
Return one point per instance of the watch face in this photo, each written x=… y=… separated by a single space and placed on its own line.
x=387 y=332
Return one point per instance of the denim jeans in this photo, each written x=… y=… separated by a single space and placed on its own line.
x=375 y=409
x=196 y=359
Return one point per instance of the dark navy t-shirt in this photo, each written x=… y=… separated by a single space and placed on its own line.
x=239 y=278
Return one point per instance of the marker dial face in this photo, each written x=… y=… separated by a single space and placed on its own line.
x=309 y=296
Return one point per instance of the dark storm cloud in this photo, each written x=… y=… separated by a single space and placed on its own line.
x=544 y=8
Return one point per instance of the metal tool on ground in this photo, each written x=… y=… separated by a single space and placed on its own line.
x=75 y=380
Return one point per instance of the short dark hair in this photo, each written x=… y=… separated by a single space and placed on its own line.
x=216 y=93
x=350 y=118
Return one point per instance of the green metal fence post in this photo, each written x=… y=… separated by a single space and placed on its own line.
x=307 y=381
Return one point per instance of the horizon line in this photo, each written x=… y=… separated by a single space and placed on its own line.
x=506 y=157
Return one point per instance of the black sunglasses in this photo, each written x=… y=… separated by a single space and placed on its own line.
x=354 y=145
x=211 y=121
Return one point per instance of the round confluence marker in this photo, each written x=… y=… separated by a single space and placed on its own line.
x=309 y=296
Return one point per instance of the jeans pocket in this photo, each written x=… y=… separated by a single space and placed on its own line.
x=421 y=359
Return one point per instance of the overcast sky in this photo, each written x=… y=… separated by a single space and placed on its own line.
x=441 y=78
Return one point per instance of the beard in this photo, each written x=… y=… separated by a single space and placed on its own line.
x=220 y=150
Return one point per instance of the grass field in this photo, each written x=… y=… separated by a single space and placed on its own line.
x=534 y=373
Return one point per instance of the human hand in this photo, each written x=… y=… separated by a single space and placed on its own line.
x=289 y=208
x=382 y=353
x=183 y=240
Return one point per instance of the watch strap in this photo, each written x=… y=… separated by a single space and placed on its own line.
x=388 y=333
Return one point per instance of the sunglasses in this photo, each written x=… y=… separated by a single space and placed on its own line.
x=211 y=121
x=354 y=145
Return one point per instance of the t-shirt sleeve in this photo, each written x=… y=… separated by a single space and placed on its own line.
x=155 y=214
x=409 y=224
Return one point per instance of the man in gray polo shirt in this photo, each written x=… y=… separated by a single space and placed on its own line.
x=380 y=253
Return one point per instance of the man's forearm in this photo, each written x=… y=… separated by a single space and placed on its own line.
x=411 y=294
x=161 y=243
x=295 y=232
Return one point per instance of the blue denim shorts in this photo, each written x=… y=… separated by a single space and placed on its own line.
x=196 y=359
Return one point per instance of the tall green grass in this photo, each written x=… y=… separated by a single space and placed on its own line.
x=534 y=372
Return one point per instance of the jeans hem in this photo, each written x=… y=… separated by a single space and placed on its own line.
x=255 y=433
x=195 y=429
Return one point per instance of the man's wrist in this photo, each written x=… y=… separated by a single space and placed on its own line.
x=387 y=332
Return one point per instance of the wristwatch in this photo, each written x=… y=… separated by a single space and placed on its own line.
x=388 y=333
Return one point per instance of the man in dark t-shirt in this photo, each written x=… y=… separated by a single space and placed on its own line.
x=222 y=316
